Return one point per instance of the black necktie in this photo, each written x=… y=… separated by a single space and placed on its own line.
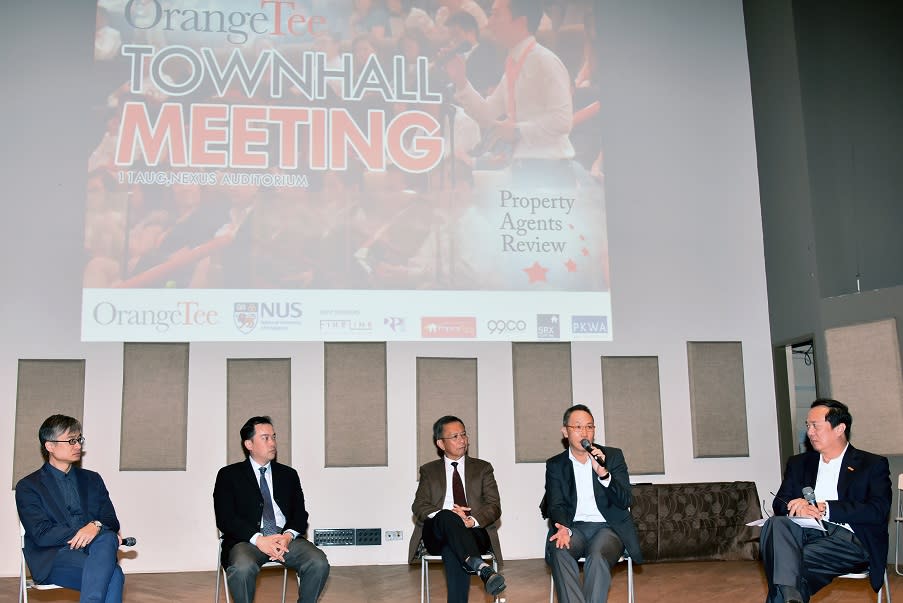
x=268 y=524
x=457 y=486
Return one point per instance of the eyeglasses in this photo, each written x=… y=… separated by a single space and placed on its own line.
x=814 y=424
x=456 y=436
x=70 y=441
x=589 y=427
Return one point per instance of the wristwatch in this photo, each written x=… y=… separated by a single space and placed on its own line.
x=98 y=524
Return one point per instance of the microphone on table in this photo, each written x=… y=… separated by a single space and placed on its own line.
x=129 y=541
x=589 y=447
x=809 y=495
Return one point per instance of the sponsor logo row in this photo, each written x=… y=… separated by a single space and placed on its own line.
x=256 y=316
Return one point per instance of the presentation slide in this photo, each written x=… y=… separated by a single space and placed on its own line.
x=273 y=170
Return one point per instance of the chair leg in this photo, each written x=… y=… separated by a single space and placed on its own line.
x=424 y=580
x=23 y=586
x=897 y=547
x=630 y=593
x=885 y=589
x=226 y=586
x=551 y=589
x=284 y=582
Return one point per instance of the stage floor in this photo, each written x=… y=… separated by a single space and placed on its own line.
x=528 y=582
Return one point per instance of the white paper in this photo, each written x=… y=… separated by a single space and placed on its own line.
x=803 y=522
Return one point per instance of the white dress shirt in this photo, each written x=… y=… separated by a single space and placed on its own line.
x=544 y=107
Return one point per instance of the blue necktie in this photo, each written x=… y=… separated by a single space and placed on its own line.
x=268 y=525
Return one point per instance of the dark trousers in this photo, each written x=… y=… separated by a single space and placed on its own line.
x=807 y=559
x=92 y=570
x=602 y=548
x=445 y=534
x=308 y=561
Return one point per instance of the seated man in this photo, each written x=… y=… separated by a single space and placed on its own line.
x=259 y=509
x=851 y=500
x=456 y=507
x=588 y=498
x=70 y=523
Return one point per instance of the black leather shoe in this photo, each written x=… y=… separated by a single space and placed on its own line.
x=492 y=581
x=791 y=595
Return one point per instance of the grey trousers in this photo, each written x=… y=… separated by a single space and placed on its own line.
x=602 y=549
x=307 y=560
x=805 y=559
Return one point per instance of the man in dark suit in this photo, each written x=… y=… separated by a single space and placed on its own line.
x=259 y=508
x=851 y=500
x=70 y=523
x=588 y=498
x=456 y=507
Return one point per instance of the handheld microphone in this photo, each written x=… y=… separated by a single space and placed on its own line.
x=588 y=446
x=809 y=495
x=129 y=541
x=444 y=57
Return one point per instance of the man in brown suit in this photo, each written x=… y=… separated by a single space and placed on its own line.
x=456 y=508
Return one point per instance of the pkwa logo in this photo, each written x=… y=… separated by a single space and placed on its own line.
x=589 y=325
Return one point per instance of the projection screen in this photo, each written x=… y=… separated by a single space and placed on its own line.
x=319 y=171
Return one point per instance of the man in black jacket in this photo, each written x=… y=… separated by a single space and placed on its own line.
x=851 y=500
x=70 y=523
x=260 y=510
x=588 y=498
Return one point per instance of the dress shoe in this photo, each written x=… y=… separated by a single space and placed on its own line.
x=492 y=581
x=791 y=595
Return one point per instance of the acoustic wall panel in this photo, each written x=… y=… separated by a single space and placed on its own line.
x=633 y=411
x=864 y=365
x=445 y=386
x=356 y=405
x=154 y=433
x=543 y=390
x=717 y=399
x=256 y=387
x=43 y=388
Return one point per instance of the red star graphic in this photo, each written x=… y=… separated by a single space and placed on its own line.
x=571 y=266
x=571 y=226
x=582 y=238
x=584 y=251
x=536 y=273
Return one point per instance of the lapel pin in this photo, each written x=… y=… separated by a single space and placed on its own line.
x=850 y=469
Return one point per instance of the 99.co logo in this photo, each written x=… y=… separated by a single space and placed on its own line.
x=502 y=327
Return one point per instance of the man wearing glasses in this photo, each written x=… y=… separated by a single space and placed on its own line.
x=587 y=501
x=70 y=523
x=847 y=501
x=456 y=508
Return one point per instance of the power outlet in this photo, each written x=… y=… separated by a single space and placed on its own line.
x=394 y=535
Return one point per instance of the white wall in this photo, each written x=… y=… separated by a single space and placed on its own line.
x=686 y=264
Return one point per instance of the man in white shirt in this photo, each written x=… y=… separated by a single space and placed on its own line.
x=851 y=501
x=587 y=501
x=531 y=108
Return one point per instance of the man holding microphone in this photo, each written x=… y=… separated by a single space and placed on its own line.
x=848 y=491
x=587 y=501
